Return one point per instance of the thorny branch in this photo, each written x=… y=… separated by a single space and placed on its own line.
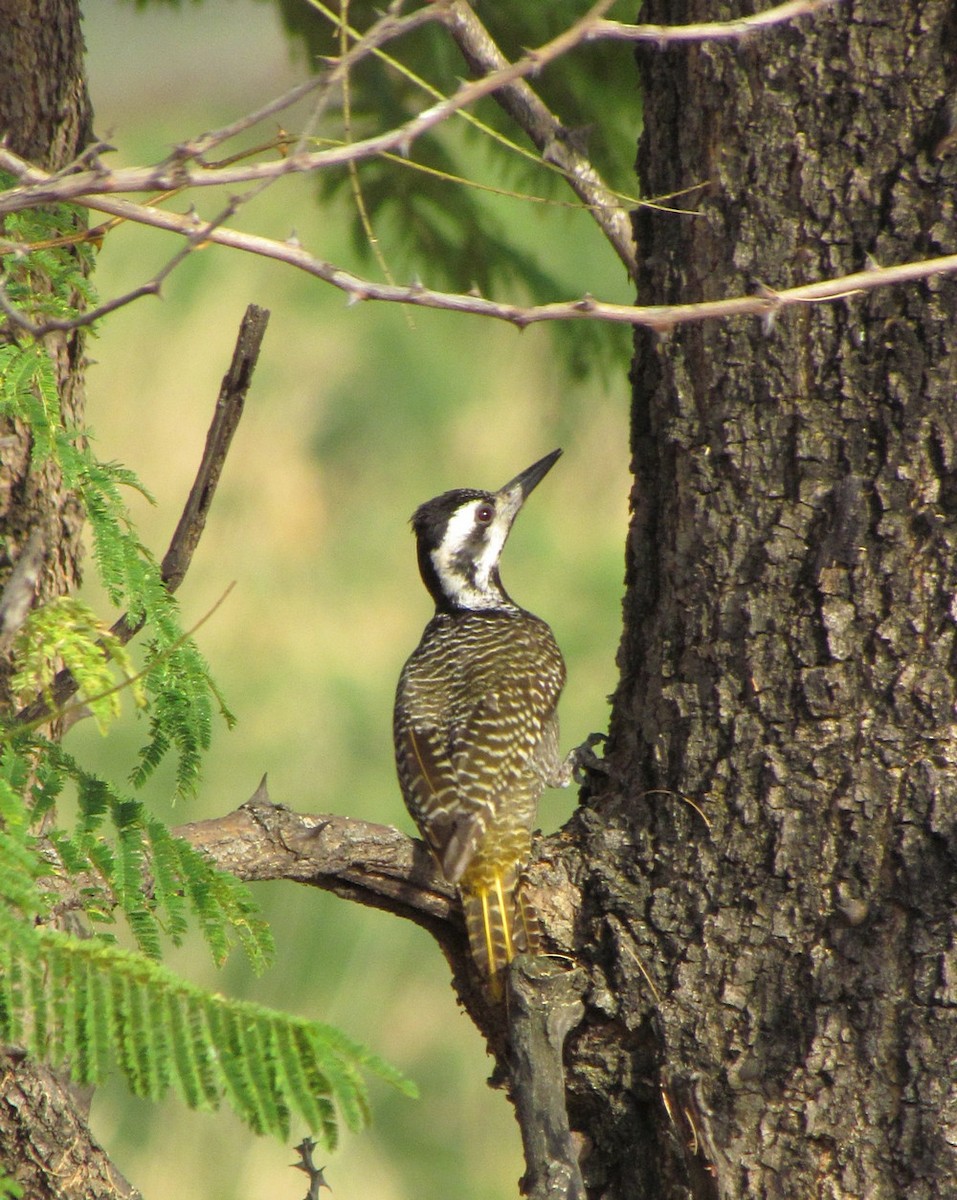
x=180 y=172
x=707 y=31
x=767 y=303
x=199 y=236
x=375 y=865
x=386 y=29
x=89 y=182
x=378 y=866
x=177 y=172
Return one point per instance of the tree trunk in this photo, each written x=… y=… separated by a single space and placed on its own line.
x=789 y=657
x=45 y=115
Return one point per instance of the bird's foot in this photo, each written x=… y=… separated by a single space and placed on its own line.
x=583 y=761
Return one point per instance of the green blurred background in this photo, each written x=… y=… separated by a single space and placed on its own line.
x=356 y=415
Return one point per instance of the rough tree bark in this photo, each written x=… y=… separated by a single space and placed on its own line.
x=45 y=115
x=789 y=657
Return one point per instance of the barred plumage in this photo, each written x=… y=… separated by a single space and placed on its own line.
x=476 y=728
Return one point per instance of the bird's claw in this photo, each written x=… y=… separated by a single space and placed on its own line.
x=583 y=761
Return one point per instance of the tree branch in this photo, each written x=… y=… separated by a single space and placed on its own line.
x=375 y=865
x=388 y=28
x=185 y=167
x=768 y=303
x=505 y=81
x=380 y=867
x=229 y=410
x=707 y=31
x=199 y=236
x=547 y=133
x=177 y=172
x=544 y=1005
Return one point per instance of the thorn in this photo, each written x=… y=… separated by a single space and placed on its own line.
x=535 y=61
x=770 y=314
x=293 y=240
x=316 y=1177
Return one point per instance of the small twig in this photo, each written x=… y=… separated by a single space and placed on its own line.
x=389 y=27
x=229 y=409
x=545 y=130
x=52 y=324
x=706 y=31
x=200 y=146
x=201 y=233
x=317 y=1178
x=544 y=1005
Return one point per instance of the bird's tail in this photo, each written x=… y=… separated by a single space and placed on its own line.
x=499 y=919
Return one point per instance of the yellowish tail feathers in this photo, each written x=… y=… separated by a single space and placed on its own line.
x=499 y=920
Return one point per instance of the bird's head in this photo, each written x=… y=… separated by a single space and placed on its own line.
x=460 y=536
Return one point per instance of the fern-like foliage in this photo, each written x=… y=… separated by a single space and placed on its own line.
x=46 y=276
x=179 y=695
x=117 y=861
x=67 y=632
x=87 y=1003
x=92 y=1007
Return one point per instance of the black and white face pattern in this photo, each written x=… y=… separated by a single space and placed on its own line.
x=461 y=536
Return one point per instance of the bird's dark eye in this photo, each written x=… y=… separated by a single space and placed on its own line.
x=484 y=513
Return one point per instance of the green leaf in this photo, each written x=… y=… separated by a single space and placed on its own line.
x=161 y=1032
x=66 y=632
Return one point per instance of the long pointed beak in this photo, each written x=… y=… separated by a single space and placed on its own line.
x=517 y=490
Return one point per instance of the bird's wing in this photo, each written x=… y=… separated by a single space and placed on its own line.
x=452 y=828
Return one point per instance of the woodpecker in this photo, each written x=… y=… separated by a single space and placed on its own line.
x=475 y=725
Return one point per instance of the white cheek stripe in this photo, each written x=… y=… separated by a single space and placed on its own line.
x=456 y=584
x=497 y=533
